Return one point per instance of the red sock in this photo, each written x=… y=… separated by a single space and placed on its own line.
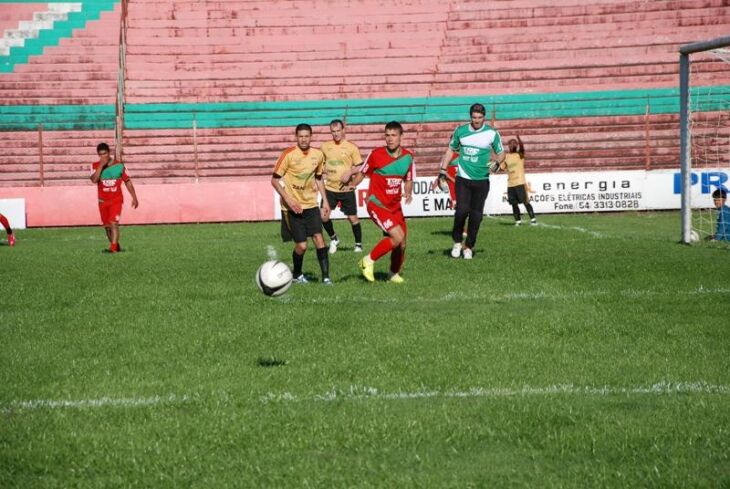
x=5 y=223
x=114 y=247
x=397 y=257
x=381 y=249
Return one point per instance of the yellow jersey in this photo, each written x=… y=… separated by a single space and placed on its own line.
x=298 y=170
x=339 y=158
x=515 y=168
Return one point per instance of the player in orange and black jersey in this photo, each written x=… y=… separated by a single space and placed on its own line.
x=340 y=157
x=514 y=163
x=297 y=179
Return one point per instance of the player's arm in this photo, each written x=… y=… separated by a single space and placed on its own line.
x=349 y=185
x=408 y=191
x=445 y=160
x=289 y=201
x=521 y=148
x=130 y=189
x=96 y=174
x=325 y=209
x=356 y=174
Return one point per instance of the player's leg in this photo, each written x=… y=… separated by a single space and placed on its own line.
x=513 y=200
x=115 y=214
x=348 y=204
x=107 y=220
x=297 y=258
x=463 y=199
x=297 y=230
x=398 y=255
x=322 y=258
x=114 y=246
x=328 y=225
x=8 y=230
x=313 y=224
x=524 y=200
x=386 y=221
x=479 y=193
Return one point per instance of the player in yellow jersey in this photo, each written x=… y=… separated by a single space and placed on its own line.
x=297 y=179
x=340 y=157
x=514 y=163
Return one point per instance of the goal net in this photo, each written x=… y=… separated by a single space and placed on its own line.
x=705 y=137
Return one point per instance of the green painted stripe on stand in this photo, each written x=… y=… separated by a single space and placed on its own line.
x=90 y=10
x=362 y=111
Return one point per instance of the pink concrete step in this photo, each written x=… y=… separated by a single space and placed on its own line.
x=328 y=41
x=291 y=32
x=620 y=11
x=349 y=20
x=11 y=15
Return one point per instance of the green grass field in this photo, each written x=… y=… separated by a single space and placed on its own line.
x=589 y=351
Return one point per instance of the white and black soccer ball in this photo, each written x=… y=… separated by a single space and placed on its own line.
x=273 y=278
x=443 y=184
x=694 y=236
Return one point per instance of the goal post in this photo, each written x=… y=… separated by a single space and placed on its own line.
x=686 y=153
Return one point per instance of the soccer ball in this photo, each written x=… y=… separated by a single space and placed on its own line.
x=443 y=184
x=273 y=278
x=694 y=236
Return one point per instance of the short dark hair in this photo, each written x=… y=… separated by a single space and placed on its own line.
x=102 y=147
x=478 y=108
x=337 y=122
x=394 y=125
x=720 y=193
x=303 y=127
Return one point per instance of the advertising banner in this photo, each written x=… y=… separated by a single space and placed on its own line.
x=565 y=192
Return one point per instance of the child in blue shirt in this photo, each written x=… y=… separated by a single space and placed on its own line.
x=722 y=233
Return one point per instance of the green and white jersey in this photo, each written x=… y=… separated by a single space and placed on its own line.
x=475 y=147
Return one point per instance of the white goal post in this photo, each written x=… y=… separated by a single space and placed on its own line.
x=686 y=160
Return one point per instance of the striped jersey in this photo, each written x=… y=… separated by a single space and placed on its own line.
x=297 y=170
x=475 y=147
x=110 y=181
x=339 y=158
x=387 y=173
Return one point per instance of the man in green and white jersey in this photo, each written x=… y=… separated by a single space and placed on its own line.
x=474 y=142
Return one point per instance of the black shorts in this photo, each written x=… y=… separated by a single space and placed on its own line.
x=347 y=201
x=517 y=195
x=299 y=227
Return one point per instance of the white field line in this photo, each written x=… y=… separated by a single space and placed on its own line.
x=595 y=234
x=516 y=296
x=364 y=393
x=360 y=393
x=95 y=403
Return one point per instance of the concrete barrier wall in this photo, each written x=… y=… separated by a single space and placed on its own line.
x=249 y=200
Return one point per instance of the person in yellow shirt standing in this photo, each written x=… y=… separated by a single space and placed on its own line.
x=340 y=157
x=297 y=179
x=514 y=163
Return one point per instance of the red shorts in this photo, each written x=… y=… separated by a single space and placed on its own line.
x=110 y=211
x=386 y=219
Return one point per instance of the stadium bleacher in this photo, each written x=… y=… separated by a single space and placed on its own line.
x=212 y=90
